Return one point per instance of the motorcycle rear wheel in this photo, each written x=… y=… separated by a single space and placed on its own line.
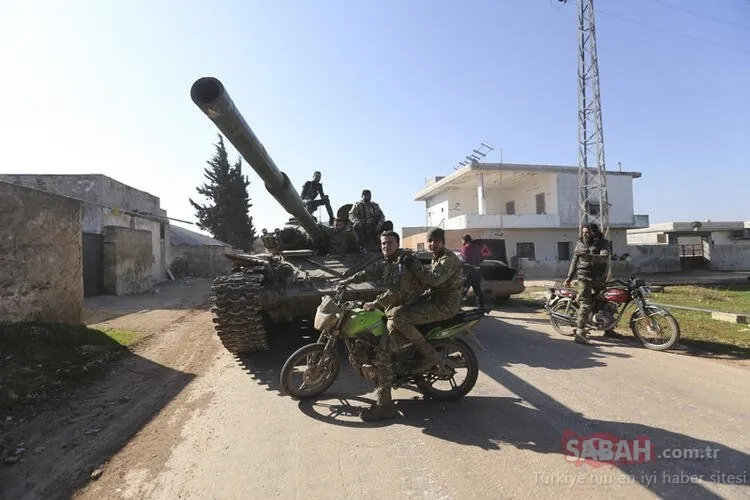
x=665 y=341
x=320 y=372
x=566 y=308
x=446 y=371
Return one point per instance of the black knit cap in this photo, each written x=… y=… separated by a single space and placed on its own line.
x=436 y=234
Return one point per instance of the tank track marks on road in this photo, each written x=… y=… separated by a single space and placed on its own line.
x=238 y=319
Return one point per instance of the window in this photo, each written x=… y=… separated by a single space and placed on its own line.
x=563 y=250
x=661 y=238
x=592 y=208
x=510 y=208
x=540 y=208
x=420 y=247
x=525 y=250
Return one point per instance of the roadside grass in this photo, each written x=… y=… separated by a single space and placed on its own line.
x=701 y=332
x=698 y=330
x=734 y=298
x=41 y=360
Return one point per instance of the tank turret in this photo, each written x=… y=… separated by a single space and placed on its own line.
x=211 y=97
x=305 y=260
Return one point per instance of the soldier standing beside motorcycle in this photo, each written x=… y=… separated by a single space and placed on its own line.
x=589 y=266
x=403 y=287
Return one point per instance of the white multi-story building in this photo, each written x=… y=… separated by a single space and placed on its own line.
x=533 y=208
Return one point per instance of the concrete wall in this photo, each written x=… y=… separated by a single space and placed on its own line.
x=545 y=240
x=41 y=276
x=729 y=257
x=127 y=260
x=567 y=196
x=104 y=190
x=206 y=261
x=158 y=260
x=524 y=195
x=644 y=259
x=620 y=194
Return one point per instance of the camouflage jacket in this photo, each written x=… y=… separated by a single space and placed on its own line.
x=444 y=277
x=366 y=213
x=590 y=261
x=403 y=287
x=342 y=242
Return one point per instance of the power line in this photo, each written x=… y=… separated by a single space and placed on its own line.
x=674 y=32
x=705 y=16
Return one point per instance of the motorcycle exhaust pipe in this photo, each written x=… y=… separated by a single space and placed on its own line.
x=562 y=317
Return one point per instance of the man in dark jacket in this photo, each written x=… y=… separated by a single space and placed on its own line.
x=589 y=266
x=472 y=257
x=310 y=191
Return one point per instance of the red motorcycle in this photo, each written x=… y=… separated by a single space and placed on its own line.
x=609 y=306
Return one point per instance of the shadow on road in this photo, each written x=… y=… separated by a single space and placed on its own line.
x=537 y=422
x=284 y=339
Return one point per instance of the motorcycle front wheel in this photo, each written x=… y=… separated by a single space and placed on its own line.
x=316 y=368
x=561 y=326
x=659 y=330
x=456 y=355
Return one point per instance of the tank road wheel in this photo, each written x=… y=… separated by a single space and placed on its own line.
x=238 y=319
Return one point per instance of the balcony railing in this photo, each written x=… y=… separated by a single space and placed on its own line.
x=477 y=221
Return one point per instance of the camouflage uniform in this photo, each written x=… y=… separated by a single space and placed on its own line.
x=367 y=219
x=403 y=287
x=445 y=279
x=589 y=266
x=342 y=242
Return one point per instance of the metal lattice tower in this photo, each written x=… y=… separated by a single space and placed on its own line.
x=592 y=182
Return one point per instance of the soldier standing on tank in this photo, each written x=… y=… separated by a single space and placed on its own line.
x=589 y=266
x=310 y=191
x=402 y=287
x=367 y=219
x=444 y=277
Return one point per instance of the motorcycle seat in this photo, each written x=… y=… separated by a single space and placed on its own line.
x=461 y=317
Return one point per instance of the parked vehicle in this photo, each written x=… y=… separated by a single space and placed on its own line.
x=361 y=331
x=609 y=307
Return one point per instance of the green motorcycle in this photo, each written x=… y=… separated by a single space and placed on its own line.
x=313 y=368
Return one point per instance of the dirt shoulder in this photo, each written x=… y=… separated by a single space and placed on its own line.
x=61 y=444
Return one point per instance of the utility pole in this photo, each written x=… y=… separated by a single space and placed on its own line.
x=592 y=181
x=593 y=203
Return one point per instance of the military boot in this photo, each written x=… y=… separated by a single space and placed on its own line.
x=383 y=409
x=581 y=336
x=430 y=357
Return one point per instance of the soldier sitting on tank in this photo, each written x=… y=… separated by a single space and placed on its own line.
x=402 y=288
x=310 y=191
x=367 y=219
x=342 y=240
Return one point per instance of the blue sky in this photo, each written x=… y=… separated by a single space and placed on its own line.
x=379 y=94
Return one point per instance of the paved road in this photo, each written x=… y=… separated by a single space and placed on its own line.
x=230 y=434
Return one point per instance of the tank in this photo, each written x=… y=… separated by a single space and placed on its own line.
x=304 y=259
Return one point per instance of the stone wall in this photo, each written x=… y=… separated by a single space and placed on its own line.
x=205 y=261
x=41 y=277
x=128 y=256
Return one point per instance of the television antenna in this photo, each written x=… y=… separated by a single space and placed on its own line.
x=476 y=154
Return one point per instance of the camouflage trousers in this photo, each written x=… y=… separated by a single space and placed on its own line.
x=402 y=319
x=400 y=323
x=586 y=291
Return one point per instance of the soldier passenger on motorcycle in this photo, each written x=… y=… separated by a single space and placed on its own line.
x=444 y=277
x=403 y=287
x=589 y=266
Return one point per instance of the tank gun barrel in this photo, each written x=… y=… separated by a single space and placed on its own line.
x=211 y=97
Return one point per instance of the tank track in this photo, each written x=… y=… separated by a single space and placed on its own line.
x=238 y=317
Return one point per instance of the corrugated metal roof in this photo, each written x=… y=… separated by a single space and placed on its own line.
x=179 y=236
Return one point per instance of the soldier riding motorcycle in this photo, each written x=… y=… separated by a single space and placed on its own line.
x=317 y=365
